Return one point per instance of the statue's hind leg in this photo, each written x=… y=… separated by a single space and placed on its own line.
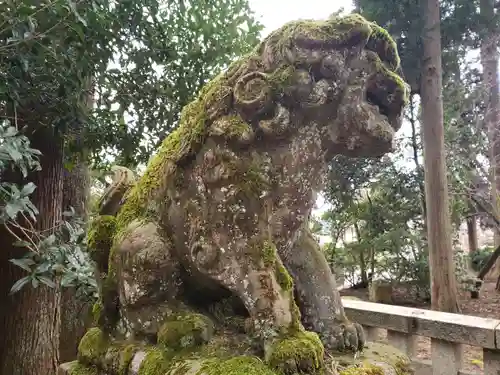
x=252 y=270
x=146 y=277
x=319 y=299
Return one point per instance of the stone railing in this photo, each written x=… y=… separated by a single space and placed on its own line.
x=448 y=333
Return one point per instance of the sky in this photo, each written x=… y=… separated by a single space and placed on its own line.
x=274 y=13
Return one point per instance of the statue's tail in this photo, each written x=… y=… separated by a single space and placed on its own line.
x=101 y=235
x=115 y=194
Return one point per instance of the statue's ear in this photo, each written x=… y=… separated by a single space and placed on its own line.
x=351 y=30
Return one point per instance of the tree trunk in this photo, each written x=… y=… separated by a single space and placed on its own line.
x=30 y=321
x=443 y=282
x=472 y=234
x=489 y=61
x=75 y=312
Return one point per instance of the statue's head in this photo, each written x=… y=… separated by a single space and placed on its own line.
x=338 y=75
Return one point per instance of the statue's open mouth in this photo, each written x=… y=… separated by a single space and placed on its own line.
x=372 y=99
x=387 y=99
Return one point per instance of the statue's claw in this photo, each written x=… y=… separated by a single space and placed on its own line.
x=344 y=337
x=302 y=353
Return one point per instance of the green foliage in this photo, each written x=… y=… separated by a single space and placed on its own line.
x=142 y=62
x=480 y=257
x=59 y=255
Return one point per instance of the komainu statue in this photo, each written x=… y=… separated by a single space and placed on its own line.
x=206 y=262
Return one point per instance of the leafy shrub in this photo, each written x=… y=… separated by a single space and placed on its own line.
x=479 y=257
x=55 y=259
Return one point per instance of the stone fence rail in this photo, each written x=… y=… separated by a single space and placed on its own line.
x=448 y=332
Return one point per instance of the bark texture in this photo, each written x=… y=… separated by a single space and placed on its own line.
x=489 y=61
x=75 y=312
x=30 y=321
x=443 y=281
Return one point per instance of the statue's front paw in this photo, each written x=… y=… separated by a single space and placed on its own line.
x=302 y=353
x=344 y=337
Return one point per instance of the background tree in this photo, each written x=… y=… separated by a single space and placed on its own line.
x=489 y=61
x=443 y=282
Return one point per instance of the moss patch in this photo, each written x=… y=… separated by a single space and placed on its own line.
x=100 y=239
x=155 y=363
x=378 y=354
x=232 y=127
x=333 y=33
x=79 y=369
x=96 y=312
x=283 y=277
x=185 y=330
x=126 y=356
x=304 y=348
x=241 y=365
x=364 y=369
x=268 y=253
x=93 y=346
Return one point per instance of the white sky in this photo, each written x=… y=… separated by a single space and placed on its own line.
x=274 y=13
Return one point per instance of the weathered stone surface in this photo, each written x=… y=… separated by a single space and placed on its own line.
x=222 y=209
x=455 y=328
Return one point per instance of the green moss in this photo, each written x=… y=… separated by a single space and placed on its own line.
x=304 y=348
x=241 y=365
x=100 y=238
x=335 y=32
x=384 y=45
x=283 y=277
x=365 y=369
x=126 y=356
x=332 y=33
x=79 y=369
x=97 y=311
x=268 y=253
x=155 y=363
x=296 y=325
x=185 y=330
x=162 y=167
x=93 y=346
x=232 y=126
x=375 y=352
x=282 y=78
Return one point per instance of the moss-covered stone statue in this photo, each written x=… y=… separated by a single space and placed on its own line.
x=207 y=265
